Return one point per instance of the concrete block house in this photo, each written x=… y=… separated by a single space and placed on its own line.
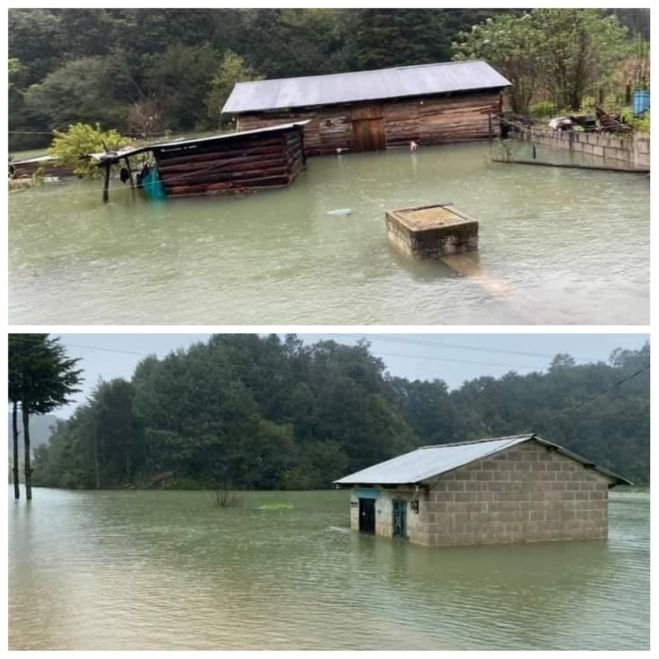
x=373 y=110
x=509 y=489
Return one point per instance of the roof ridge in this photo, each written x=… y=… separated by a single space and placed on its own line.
x=478 y=441
x=346 y=73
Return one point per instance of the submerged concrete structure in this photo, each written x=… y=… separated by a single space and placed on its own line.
x=432 y=231
x=509 y=489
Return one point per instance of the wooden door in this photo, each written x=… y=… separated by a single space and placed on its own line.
x=368 y=128
x=400 y=519
x=367 y=515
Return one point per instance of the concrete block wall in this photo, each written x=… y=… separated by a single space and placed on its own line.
x=616 y=151
x=525 y=494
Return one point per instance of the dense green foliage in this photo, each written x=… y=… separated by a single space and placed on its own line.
x=566 y=53
x=248 y=412
x=104 y=65
x=72 y=147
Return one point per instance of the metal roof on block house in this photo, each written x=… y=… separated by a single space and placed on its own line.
x=402 y=81
x=430 y=461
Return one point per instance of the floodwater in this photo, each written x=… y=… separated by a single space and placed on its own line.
x=171 y=570
x=556 y=246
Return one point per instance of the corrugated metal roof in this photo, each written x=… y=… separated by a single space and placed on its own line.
x=132 y=151
x=363 y=86
x=430 y=461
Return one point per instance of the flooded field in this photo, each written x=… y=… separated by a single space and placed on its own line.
x=171 y=570
x=556 y=246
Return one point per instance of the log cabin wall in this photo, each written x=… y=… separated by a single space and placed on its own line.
x=429 y=120
x=270 y=159
x=329 y=128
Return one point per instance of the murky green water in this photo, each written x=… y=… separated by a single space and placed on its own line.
x=170 y=570
x=564 y=246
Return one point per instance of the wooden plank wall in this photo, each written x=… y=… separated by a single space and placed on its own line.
x=329 y=128
x=268 y=160
x=427 y=121
x=441 y=120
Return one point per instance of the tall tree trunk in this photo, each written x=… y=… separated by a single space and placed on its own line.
x=14 y=419
x=26 y=442
x=98 y=472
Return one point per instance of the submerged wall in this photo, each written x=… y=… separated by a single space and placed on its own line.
x=528 y=493
x=428 y=120
x=631 y=151
x=525 y=494
x=384 y=511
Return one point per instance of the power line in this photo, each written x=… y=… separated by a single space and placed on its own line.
x=417 y=357
x=600 y=393
x=441 y=344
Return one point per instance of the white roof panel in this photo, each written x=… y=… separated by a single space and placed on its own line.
x=430 y=461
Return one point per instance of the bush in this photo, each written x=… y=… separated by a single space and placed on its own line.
x=72 y=147
x=588 y=104
x=640 y=124
x=542 y=109
x=184 y=484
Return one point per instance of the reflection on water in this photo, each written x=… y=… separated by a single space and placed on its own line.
x=170 y=570
x=575 y=243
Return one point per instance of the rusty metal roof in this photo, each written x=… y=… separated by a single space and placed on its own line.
x=334 y=88
x=430 y=461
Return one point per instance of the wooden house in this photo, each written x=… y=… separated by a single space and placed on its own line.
x=263 y=158
x=509 y=489
x=372 y=110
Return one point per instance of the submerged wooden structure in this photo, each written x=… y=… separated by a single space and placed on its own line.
x=372 y=110
x=47 y=165
x=432 y=231
x=247 y=160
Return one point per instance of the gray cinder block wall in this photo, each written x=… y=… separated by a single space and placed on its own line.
x=527 y=493
x=631 y=151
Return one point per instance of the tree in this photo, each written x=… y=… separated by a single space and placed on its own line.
x=81 y=90
x=513 y=45
x=250 y=411
x=581 y=48
x=73 y=146
x=41 y=378
x=566 y=52
x=232 y=69
x=180 y=79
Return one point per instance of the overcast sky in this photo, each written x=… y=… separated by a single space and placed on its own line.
x=453 y=358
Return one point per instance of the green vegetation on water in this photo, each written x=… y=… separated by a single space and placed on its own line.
x=249 y=412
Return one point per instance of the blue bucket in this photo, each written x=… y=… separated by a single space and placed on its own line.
x=640 y=102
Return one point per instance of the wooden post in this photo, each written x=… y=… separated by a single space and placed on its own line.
x=130 y=172
x=106 y=183
x=489 y=125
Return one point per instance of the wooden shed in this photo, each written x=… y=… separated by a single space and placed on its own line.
x=262 y=158
x=509 y=489
x=372 y=110
x=48 y=165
